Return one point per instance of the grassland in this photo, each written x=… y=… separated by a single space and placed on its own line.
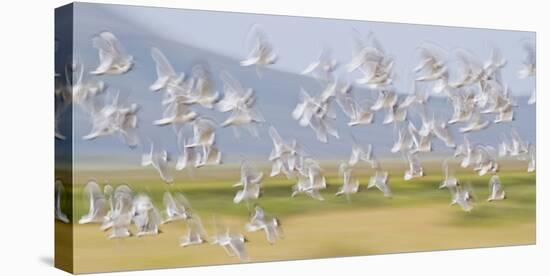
x=417 y=218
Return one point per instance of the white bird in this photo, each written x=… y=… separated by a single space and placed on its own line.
x=115 y=118
x=59 y=191
x=166 y=75
x=371 y=60
x=233 y=243
x=350 y=184
x=404 y=141
x=259 y=221
x=175 y=207
x=284 y=156
x=310 y=180
x=533 y=97
x=159 y=161
x=146 y=216
x=529 y=67
x=496 y=192
x=386 y=99
x=359 y=114
x=322 y=67
x=463 y=197
x=475 y=123
x=251 y=181
x=486 y=160
x=432 y=65
x=113 y=59
x=178 y=111
x=188 y=155
x=195 y=234
x=84 y=92
x=450 y=180
x=202 y=90
x=211 y=155
x=380 y=181
x=415 y=168
x=360 y=154
x=260 y=50
x=97 y=204
x=122 y=214
x=531 y=166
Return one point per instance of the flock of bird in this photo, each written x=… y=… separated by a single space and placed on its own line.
x=475 y=90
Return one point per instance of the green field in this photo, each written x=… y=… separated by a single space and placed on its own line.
x=417 y=218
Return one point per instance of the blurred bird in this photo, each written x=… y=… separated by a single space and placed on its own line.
x=113 y=59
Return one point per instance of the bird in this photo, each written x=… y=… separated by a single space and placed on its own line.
x=380 y=181
x=121 y=217
x=175 y=207
x=358 y=153
x=188 y=156
x=283 y=155
x=146 y=217
x=166 y=75
x=250 y=181
x=350 y=184
x=260 y=50
x=496 y=192
x=260 y=221
x=195 y=234
x=415 y=168
x=529 y=66
x=310 y=180
x=97 y=204
x=463 y=197
x=59 y=191
x=84 y=92
x=113 y=59
x=201 y=92
x=232 y=243
x=450 y=180
x=158 y=160
x=322 y=67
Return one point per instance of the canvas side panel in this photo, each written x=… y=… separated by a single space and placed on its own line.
x=63 y=139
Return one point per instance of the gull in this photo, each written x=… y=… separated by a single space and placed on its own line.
x=97 y=204
x=146 y=216
x=495 y=63
x=113 y=60
x=495 y=189
x=398 y=112
x=439 y=128
x=380 y=181
x=62 y=102
x=260 y=50
x=463 y=197
x=250 y=181
x=203 y=132
x=467 y=152
x=188 y=155
x=115 y=118
x=350 y=184
x=386 y=99
x=122 y=213
x=450 y=180
x=529 y=66
x=159 y=161
x=176 y=207
x=463 y=106
x=370 y=59
x=195 y=234
x=533 y=97
x=259 y=221
x=415 y=168
x=358 y=154
x=310 y=180
x=84 y=92
x=486 y=160
x=202 y=89
x=432 y=64
x=59 y=190
x=233 y=243
x=518 y=146
x=211 y=155
x=404 y=141
x=472 y=70
x=532 y=158
x=475 y=123
x=422 y=140
x=166 y=75
x=284 y=156
x=505 y=114
x=322 y=67
x=108 y=192
x=176 y=112
x=359 y=114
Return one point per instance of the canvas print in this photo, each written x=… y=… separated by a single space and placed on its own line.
x=188 y=137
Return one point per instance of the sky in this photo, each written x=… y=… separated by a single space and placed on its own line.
x=217 y=39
